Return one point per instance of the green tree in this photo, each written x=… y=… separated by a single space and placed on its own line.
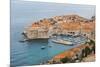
x=87 y=51
x=65 y=60
x=93 y=48
x=83 y=53
x=92 y=42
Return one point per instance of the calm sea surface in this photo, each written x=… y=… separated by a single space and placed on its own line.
x=23 y=14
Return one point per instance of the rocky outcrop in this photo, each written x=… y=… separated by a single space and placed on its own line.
x=67 y=24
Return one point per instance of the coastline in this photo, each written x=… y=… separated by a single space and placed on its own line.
x=75 y=53
x=72 y=25
x=60 y=25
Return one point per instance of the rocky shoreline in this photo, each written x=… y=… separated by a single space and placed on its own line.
x=82 y=53
x=60 y=25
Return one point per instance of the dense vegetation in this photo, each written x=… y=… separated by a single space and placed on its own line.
x=90 y=49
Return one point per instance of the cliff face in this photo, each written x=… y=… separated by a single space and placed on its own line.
x=60 y=25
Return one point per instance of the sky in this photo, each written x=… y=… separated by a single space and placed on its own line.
x=85 y=11
x=91 y=2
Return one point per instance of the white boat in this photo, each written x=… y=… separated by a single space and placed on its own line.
x=23 y=40
x=65 y=42
x=50 y=46
x=43 y=47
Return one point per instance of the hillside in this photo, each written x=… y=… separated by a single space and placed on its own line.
x=60 y=25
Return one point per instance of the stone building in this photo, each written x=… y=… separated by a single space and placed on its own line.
x=36 y=33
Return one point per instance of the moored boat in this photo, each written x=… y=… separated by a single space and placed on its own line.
x=43 y=47
x=65 y=42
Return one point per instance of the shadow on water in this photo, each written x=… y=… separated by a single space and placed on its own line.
x=36 y=41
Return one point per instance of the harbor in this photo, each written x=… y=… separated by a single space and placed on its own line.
x=76 y=34
x=49 y=32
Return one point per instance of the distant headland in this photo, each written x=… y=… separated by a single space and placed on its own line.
x=60 y=25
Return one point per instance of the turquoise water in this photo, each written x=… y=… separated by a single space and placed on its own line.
x=22 y=15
